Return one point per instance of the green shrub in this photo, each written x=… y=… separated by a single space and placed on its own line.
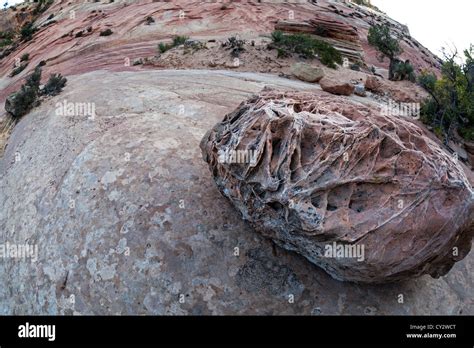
x=106 y=32
x=6 y=38
x=428 y=111
x=193 y=45
x=23 y=101
x=306 y=46
x=450 y=107
x=149 y=20
x=439 y=132
x=27 y=31
x=235 y=45
x=18 y=69
x=19 y=103
x=25 y=57
x=277 y=36
x=403 y=71
x=163 y=47
x=427 y=80
x=42 y=6
x=5 y=42
x=34 y=79
x=467 y=133
x=281 y=53
x=55 y=85
x=380 y=37
x=177 y=40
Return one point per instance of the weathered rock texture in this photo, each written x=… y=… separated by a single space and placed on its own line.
x=373 y=84
x=58 y=44
x=86 y=191
x=336 y=87
x=330 y=28
x=345 y=26
x=325 y=173
x=127 y=172
x=306 y=72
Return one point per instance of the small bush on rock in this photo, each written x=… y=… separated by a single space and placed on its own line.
x=149 y=20
x=177 y=40
x=403 y=71
x=163 y=47
x=306 y=46
x=18 y=69
x=34 y=79
x=235 y=45
x=450 y=109
x=42 y=6
x=277 y=36
x=19 y=103
x=6 y=38
x=55 y=85
x=106 y=32
x=27 y=31
x=380 y=37
x=22 y=102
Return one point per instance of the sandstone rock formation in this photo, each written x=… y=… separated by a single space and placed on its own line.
x=373 y=84
x=325 y=175
x=336 y=86
x=327 y=27
x=122 y=207
x=306 y=72
x=87 y=191
x=56 y=41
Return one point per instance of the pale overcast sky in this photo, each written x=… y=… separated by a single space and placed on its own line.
x=435 y=23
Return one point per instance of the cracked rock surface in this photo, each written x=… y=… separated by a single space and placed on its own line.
x=326 y=174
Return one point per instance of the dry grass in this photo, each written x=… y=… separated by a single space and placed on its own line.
x=6 y=126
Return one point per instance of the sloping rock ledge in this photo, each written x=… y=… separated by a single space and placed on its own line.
x=365 y=196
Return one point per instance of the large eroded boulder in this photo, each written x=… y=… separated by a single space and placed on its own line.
x=306 y=72
x=335 y=86
x=127 y=218
x=366 y=197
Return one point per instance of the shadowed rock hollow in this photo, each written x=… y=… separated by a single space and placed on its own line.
x=325 y=170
